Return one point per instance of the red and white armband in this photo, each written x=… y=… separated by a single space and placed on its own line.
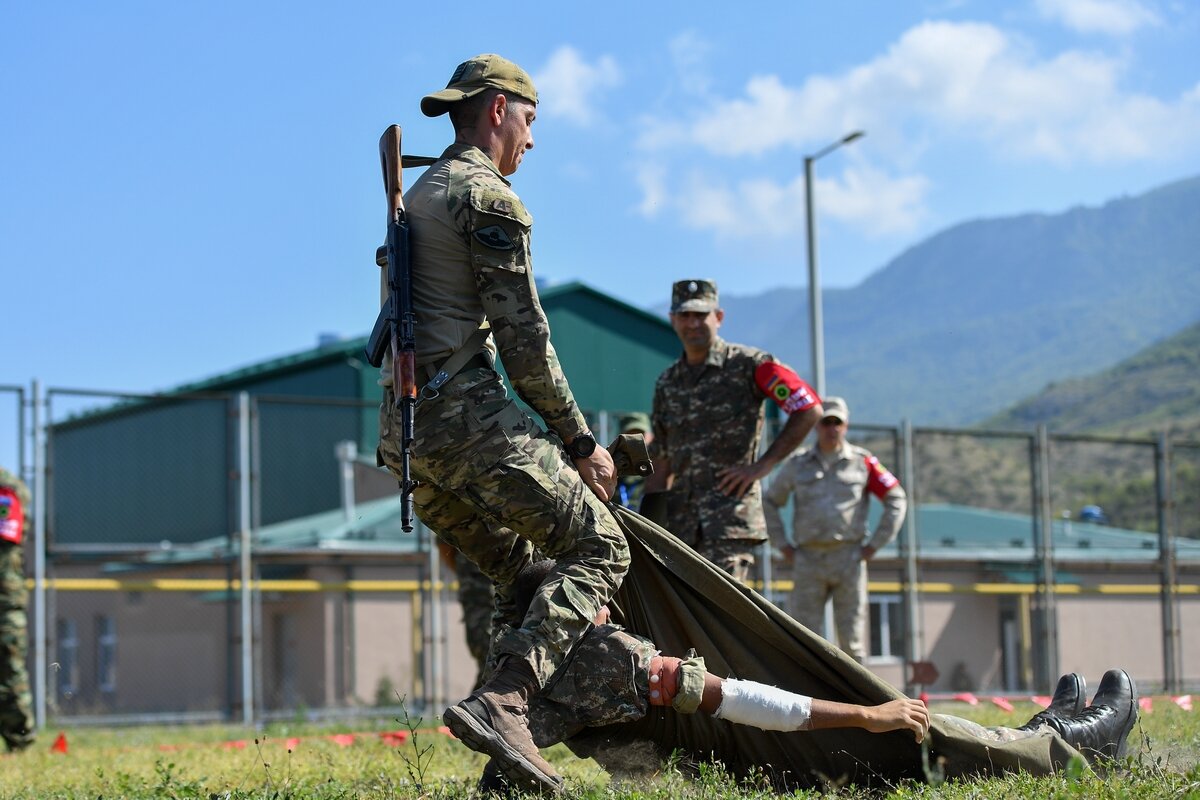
x=786 y=388
x=879 y=480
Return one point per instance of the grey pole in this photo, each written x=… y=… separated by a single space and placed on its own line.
x=39 y=560
x=1166 y=554
x=244 y=526
x=815 y=321
x=1045 y=552
x=908 y=546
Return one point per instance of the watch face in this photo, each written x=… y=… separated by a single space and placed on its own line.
x=583 y=446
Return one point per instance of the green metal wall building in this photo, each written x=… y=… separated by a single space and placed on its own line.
x=164 y=469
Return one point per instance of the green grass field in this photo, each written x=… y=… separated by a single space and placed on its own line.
x=305 y=761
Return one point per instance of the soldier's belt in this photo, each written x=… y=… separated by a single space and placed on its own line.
x=431 y=371
x=827 y=545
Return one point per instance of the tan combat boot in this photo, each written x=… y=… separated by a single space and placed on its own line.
x=494 y=721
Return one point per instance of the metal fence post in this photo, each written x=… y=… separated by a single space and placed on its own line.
x=1048 y=635
x=40 y=664
x=247 y=576
x=1166 y=549
x=908 y=549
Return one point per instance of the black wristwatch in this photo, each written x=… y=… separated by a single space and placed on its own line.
x=582 y=446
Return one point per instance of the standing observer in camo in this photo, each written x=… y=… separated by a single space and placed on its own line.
x=831 y=485
x=493 y=484
x=708 y=419
x=16 y=702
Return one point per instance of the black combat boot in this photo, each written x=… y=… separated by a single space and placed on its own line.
x=1070 y=698
x=494 y=721
x=1100 y=730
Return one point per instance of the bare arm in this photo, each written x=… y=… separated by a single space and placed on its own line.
x=903 y=714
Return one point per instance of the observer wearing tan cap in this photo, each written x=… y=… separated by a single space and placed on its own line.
x=493 y=483
x=831 y=486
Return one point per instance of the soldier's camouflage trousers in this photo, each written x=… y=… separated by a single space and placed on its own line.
x=495 y=486
x=16 y=701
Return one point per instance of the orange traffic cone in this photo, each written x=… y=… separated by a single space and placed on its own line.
x=60 y=744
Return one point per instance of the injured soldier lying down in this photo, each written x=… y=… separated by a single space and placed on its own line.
x=626 y=675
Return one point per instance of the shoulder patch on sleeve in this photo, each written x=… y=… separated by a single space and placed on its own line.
x=495 y=237
x=787 y=389
x=499 y=201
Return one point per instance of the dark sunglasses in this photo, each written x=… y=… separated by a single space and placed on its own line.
x=831 y=421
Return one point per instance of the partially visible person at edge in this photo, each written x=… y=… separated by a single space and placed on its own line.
x=16 y=702
x=831 y=485
x=631 y=488
x=614 y=676
x=477 y=597
x=707 y=422
x=493 y=484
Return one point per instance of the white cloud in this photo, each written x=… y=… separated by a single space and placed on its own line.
x=1112 y=17
x=755 y=208
x=568 y=86
x=689 y=54
x=967 y=87
x=942 y=80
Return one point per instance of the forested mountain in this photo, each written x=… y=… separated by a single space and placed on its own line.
x=986 y=313
x=1155 y=390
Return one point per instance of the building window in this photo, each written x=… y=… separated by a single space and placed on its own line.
x=67 y=664
x=887 y=626
x=106 y=654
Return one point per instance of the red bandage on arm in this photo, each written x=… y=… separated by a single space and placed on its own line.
x=12 y=516
x=879 y=480
x=786 y=388
x=664 y=680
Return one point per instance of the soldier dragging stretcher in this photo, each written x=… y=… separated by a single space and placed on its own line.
x=491 y=482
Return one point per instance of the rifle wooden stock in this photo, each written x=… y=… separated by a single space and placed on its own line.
x=397 y=317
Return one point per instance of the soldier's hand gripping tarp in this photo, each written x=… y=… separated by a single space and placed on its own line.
x=680 y=601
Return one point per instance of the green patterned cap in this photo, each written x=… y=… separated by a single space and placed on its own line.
x=694 y=294
x=486 y=71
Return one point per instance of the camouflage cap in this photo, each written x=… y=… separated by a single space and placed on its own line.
x=835 y=407
x=486 y=71
x=635 y=421
x=694 y=294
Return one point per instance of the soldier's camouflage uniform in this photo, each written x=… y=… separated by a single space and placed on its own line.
x=16 y=701
x=494 y=484
x=708 y=417
x=606 y=680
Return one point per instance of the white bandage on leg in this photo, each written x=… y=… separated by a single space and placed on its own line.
x=765 y=707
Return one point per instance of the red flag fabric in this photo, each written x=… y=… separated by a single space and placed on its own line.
x=60 y=744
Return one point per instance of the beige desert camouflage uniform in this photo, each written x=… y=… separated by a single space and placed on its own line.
x=829 y=527
x=493 y=483
x=16 y=700
x=706 y=418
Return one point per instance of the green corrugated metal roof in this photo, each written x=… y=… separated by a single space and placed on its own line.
x=611 y=351
x=962 y=532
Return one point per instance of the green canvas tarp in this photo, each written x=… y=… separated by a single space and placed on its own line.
x=680 y=601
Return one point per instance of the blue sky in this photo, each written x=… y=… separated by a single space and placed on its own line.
x=186 y=188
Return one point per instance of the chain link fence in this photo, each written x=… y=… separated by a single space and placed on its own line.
x=239 y=557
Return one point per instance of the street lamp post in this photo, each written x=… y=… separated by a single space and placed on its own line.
x=816 y=325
